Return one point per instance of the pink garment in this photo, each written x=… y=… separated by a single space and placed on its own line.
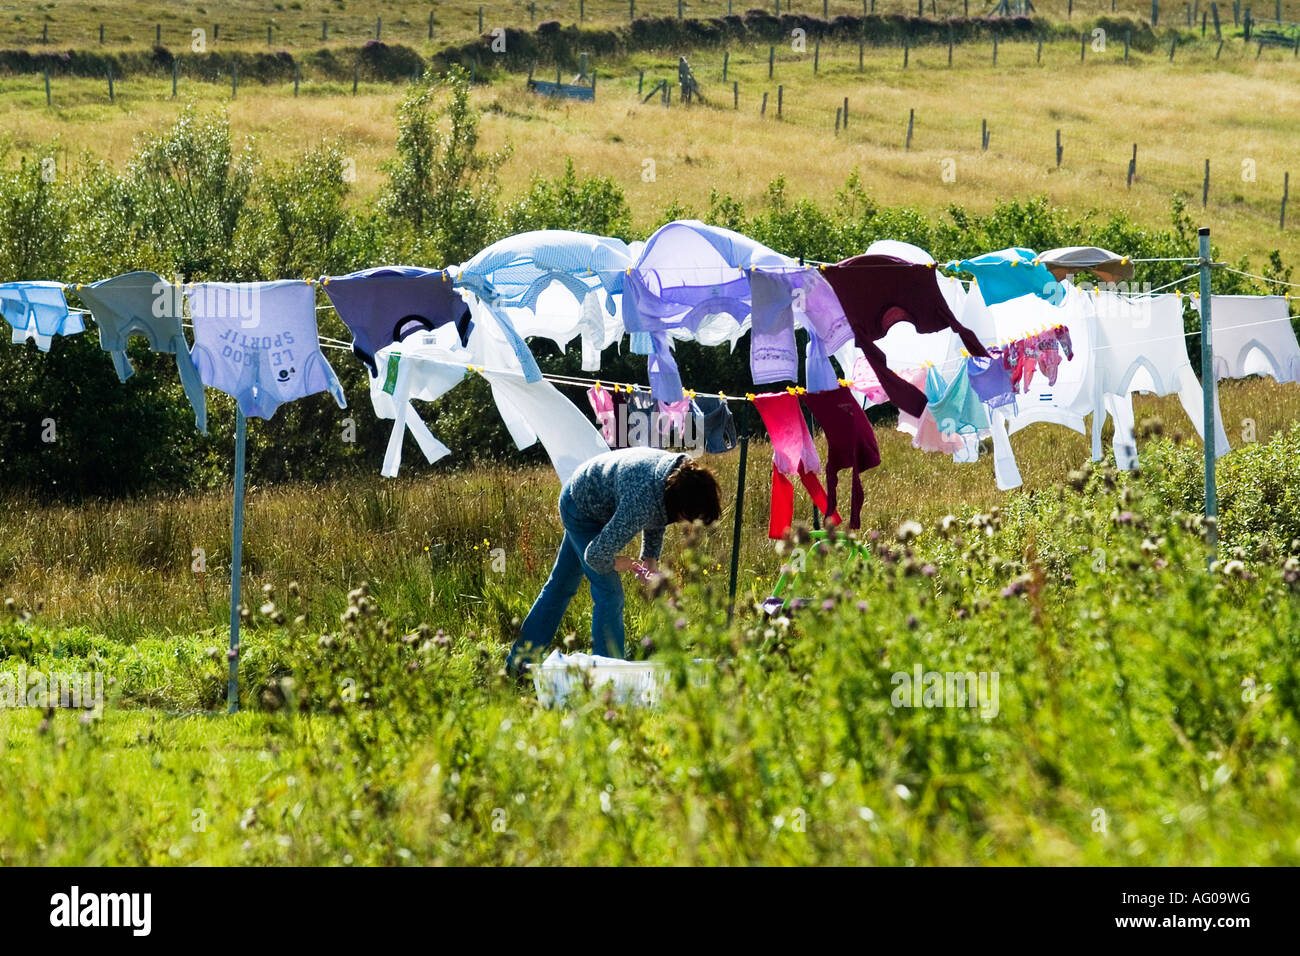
x=923 y=428
x=928 y=437
x=793 y=453
x=673 y=415
x=867 y=383
x=603 y=405
x=1049 y=355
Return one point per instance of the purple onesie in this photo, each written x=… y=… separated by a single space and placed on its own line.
x=384 y=305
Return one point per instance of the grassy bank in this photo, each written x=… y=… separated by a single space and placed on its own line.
x=1146 y=708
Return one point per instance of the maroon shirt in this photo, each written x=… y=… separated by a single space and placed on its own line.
x=878 y=291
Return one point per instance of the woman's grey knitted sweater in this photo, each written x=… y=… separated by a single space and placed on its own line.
x=624 y=491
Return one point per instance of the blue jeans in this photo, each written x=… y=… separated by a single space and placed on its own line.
x=606 y=596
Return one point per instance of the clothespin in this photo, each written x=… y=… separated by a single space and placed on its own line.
x=690 y=393
x=325 y=281
x=1123 y=260
x=822 y=268
x=750 y=396
x=965 y=354
x=1014 y=263
x=933 y=265
x=722 y=395
x=598 y=388
x=799 y=389
x=789 y=390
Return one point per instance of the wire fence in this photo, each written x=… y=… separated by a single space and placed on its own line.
x=322 y=24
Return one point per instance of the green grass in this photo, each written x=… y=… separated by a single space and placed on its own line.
x=1135 y=688
x=1146 y=713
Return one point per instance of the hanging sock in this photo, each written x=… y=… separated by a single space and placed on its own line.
x=1049 y=356
x=793 y=452
x=850 y=443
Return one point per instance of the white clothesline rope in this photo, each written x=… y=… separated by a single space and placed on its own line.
x=1251 y=275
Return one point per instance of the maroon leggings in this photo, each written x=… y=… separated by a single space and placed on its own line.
x=850 y=443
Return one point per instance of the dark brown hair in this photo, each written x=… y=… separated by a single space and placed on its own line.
x=691 y=493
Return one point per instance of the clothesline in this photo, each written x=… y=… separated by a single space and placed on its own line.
x=953 y=363
x=631 y=387
x=1251 y=275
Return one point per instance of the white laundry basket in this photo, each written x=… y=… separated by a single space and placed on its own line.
x=633 y=682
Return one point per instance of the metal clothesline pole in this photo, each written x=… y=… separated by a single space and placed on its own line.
x=236 y=562
x=1208 y=391
x=740 y=511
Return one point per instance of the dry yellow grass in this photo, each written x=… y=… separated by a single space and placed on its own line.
x=1230 y=111
x=126 y=568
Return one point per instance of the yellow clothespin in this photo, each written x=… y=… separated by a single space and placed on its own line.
x=598 y=388
x=822 y=268
x=965 y=354
x=1014 y=263
x=750 y=396
x=1124 y=260
x=722 y=395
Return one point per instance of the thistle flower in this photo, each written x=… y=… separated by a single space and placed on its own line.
x=1235 y=569
x=908 y=530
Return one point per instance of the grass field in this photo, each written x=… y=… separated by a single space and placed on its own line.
x=1150 y=705
x=1237 y=112
x=1121 y=733
x=125 y=569
x=297 y=23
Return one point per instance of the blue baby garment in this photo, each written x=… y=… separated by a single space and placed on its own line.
x=142 y=303
x=1010 y=273
x=257 y=341
x=38 y=311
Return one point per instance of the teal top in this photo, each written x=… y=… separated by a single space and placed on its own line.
x=956 y=408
